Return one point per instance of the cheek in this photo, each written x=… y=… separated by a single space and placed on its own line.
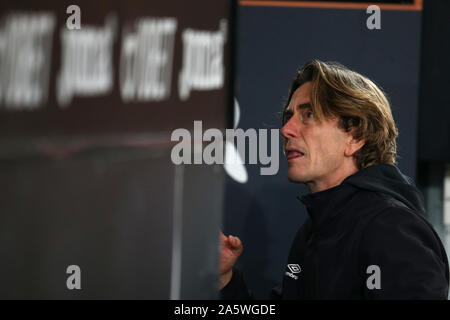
x=330 y=147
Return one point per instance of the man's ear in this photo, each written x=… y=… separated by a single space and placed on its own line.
x=353 y=146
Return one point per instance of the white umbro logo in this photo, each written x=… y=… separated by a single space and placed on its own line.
x=294 y=268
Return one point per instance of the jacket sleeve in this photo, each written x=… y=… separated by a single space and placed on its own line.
x=403 y=258
x=236 y=288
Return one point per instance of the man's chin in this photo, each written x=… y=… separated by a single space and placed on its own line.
x=296 y=178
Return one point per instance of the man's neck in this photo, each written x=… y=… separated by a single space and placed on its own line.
x=332 y=180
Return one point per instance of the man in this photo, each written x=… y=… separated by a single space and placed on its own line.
x=365 y=237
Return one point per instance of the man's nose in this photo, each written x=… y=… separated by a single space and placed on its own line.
x=289 y=130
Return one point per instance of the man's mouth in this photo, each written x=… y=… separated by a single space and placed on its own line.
x=292 y=154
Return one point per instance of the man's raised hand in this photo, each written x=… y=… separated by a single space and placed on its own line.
x=231 y=249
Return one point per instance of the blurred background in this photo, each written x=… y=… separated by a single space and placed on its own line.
x=91 y=93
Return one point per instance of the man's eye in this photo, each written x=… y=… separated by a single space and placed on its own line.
x=309 y=115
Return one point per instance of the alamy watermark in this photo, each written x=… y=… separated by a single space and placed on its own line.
x=74 y=280
x=374 y=279
x=374 y=20
x=191 y=150
x=73 y=22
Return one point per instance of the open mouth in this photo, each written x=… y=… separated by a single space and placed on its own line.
x=293 y=154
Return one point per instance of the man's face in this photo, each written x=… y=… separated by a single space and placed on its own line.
x=315 y=150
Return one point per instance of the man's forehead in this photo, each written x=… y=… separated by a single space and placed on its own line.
x=301 y=97
x=299 y=104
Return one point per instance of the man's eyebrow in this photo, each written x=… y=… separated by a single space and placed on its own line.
x=306 y=105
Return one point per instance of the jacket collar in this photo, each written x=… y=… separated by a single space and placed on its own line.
x=325 y=205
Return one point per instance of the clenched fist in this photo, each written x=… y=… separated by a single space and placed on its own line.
x=231 y=249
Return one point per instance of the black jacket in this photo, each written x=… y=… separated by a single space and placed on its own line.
x=364 y=239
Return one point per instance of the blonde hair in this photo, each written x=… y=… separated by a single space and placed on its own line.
x=362 y=108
